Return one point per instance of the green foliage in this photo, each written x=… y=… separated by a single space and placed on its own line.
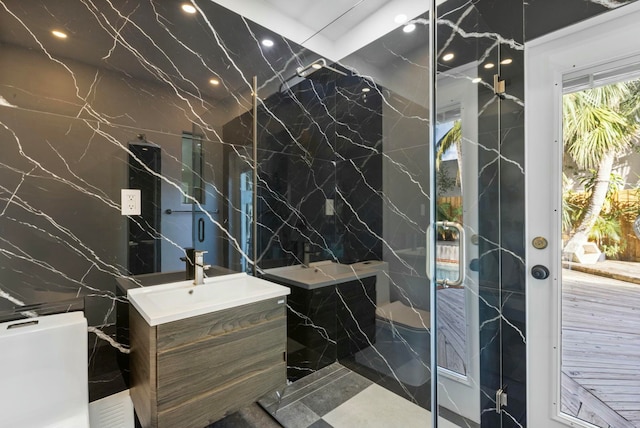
x=607 y=231
x=444 y=182
x=616 y=182
x=447 y=212
x=453 y=138
x=569 y=206
x=613 y=251
x=599 y=124
x=598 y=121
x=448 y=140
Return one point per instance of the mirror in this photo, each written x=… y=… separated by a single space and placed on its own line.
x=192 y=169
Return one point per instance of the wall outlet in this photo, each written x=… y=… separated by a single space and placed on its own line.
x=131 y=202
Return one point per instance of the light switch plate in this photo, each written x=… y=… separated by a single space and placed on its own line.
x=329 y=207
x=131 y=202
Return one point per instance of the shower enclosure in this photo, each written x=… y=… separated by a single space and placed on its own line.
x=344 y=175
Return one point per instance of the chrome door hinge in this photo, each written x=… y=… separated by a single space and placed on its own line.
x=501 y=400
x=499 y=86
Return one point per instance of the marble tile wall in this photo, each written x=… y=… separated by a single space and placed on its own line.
x=506 y=26
x=139 y=73
x=69 y=108
x=320 y=140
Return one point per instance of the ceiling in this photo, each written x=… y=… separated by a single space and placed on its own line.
x=157 y=41
x=332 y=28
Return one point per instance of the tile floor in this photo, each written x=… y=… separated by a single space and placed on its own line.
x=338 y=397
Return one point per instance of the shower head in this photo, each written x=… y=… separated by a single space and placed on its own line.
x=317 y=65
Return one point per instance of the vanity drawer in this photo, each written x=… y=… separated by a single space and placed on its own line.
x=206 y=409
x=190 y=371
x=189 y=330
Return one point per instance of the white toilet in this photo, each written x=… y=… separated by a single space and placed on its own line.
x=43 y=372
x=386 y=310
x=410 y=321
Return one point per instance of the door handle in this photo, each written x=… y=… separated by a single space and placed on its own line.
x=200 y=230
x=540 y=272
x=461 y=253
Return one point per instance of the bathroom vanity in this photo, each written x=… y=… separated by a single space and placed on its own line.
x=331 y=313
x=201 y=352
x=126 y=283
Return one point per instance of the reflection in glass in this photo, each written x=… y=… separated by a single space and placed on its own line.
x=192 y=169
x=452 y=327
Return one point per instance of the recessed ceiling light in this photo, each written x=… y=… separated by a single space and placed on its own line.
x=316 y=65
x=267 y=42
x=409 y=28
x=447 y=57
x=59 y=34
x=188 y=8
x=214 y=81
x=506 y=61
x=400 y=19
x=476 y=80
x=489 y=65
x=366 y=89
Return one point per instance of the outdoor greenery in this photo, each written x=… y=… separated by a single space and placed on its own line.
x=599 y=125
x=445 y=211
x=453 y=138
x=445 y=182
x=607 y=229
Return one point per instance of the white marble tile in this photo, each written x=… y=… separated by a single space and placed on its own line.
x=376 y=407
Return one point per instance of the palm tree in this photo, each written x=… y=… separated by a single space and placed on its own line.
x=599 y=125
x=448 y=140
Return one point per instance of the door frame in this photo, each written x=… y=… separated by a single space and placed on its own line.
x=605 y=39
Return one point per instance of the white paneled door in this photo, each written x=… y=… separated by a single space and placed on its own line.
x=583 y=327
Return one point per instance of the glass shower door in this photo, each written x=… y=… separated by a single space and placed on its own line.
x=479 y=188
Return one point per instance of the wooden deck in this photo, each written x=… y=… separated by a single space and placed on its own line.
x=601 y=344
x=452 y=330
x=601 y=350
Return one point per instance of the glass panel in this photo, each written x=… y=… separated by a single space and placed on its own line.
x=475 y=164
x=601 y=271
x=343 y=214
x=452 y=329
x=192 y=169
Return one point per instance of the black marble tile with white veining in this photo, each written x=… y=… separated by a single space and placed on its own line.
x=139 y=73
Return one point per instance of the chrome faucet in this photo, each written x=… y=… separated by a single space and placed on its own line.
x=307 y=253
x=195 y=267
x=199 y=267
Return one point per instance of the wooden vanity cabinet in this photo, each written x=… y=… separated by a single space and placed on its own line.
x=195 y=371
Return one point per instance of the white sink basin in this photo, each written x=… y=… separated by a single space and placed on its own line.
x=316 y=275
x=164 y=303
